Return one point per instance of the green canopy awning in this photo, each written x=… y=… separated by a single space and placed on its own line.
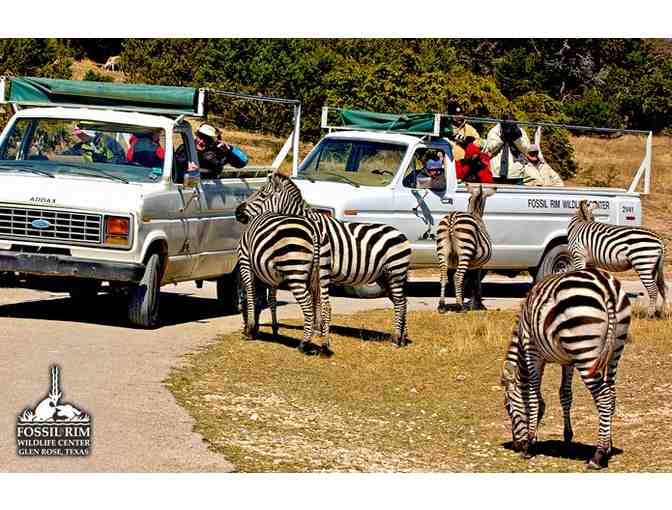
x=121 y=96
x=412 y=123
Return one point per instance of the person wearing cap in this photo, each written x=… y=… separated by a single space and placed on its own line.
x=507 y=144
x=433 y=170
x=462 y=133
x=536 y=172
x=475 y=166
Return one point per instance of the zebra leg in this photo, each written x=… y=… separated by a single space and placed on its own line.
x=249 y=313
x=652 y=290
x=304 y=298
x=534 y=405
x=459 y=283
x=477 y=295
x=273 y=305
x=603 y=397
x=325 y=309
x=566 y=401
x=443 y=266
x=396 y=293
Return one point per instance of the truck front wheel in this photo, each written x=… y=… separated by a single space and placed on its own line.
x=556 y=260
x=143 y=298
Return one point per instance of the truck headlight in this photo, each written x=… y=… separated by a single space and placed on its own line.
x=117 y=230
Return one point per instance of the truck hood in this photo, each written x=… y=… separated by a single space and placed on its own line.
x=340 y=195
x=86 y=194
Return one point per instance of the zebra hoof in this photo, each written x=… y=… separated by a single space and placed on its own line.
x=442 y=308
x=325 y=351
x=599 y=460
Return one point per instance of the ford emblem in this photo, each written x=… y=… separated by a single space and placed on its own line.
x=40 y=224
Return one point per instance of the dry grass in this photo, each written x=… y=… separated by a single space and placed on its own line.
x=79 y=69
x=435 y=405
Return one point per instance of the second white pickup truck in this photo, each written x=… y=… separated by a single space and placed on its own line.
x=358 y=175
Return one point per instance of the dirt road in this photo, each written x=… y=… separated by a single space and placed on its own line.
x=115 y=372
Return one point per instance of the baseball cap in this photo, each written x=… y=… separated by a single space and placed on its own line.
x=434 y=164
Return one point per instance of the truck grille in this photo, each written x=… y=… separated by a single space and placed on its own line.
x=58 y=226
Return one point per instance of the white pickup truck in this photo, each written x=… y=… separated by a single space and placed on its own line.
x=76 y=210
x=357 y=175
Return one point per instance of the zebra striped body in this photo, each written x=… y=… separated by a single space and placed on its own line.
x=279 y=249
x=579 y=319
x=360 y=253
x=619 y=248
x=463 y=242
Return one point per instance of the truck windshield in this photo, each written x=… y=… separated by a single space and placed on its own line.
x=355 y=162
x=56 y=147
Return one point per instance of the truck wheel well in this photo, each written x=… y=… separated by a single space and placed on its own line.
x=554 y=242
x=161 y=247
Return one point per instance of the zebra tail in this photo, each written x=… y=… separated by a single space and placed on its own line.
x=660 y=277
x=602 y=361
x=314 y=281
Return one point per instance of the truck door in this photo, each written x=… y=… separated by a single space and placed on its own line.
x=419 y=210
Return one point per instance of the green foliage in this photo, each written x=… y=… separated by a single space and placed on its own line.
x=593 y=109
x=34 y=57
x=92 y=75
x=555 y=143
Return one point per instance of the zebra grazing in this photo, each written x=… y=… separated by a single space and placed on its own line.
x=619 y=248
x=278 y=249
x=577 y=319
x=361 y=253
x=463 y=242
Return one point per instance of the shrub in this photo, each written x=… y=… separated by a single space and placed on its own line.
x=92 y=75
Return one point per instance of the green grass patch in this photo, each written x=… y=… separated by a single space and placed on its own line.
x=435 y=405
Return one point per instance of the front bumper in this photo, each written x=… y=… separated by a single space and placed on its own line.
x=63 y=265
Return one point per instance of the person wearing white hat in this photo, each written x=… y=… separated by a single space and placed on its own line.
x=536 y=172
x=213 y=153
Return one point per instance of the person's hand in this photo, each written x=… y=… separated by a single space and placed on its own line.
x=510 y=132
x=223 y=146
x=192 y=166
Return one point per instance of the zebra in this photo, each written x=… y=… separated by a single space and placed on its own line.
x=279 y=249
x=577 y=319
x=360 y=253
x=619 y=248
x=463 y=242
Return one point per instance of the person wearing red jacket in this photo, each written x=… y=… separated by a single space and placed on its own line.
x=475 y=167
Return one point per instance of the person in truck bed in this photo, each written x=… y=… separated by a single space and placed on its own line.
x=536 y=172
x=475 y=166
x=462 y=133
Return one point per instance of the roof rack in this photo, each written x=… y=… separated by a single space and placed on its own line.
x=422 y=124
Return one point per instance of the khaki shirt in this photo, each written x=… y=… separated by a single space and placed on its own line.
x=541 y=175
x=494 y=146
x=466 y=130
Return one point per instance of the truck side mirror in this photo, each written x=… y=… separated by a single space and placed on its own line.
x=423 y=182
x=192 y=179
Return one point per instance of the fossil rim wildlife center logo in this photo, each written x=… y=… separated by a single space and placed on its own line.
x=53 y=428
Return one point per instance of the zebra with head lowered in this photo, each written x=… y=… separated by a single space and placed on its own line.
x=277 y=249
x=360 y=253
x=463 y=242
x=578 y=319
x=619 y=248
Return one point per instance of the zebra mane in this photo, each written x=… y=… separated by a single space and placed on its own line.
x=477 y=200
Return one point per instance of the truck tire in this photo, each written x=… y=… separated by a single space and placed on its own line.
x=229 y=292
x=556 y=260
x=143 y=298
x=85 y=290
x=368 y=291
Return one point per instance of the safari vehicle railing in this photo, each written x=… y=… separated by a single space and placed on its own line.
x=175 y=102
x=429 y=125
